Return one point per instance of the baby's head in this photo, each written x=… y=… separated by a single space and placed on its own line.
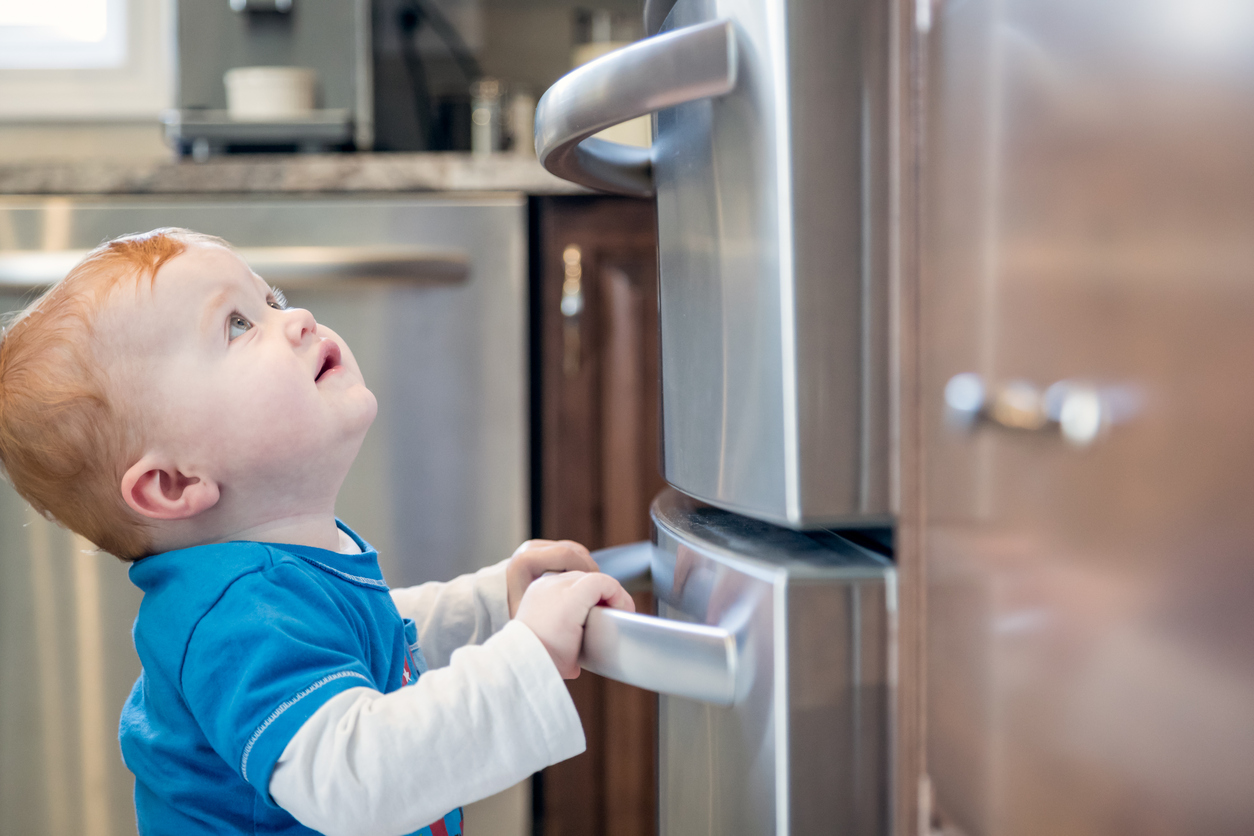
x=162 y=395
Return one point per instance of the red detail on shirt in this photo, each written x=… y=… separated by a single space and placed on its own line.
x=405 y=676
x=438 y=828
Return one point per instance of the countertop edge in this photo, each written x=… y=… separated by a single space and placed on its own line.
x=375 y=173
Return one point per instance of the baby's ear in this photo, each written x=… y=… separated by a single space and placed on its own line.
x=156 y=488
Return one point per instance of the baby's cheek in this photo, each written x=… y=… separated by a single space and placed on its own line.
x=257 y=415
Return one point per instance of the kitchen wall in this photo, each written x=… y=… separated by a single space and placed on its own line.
x=122 y=141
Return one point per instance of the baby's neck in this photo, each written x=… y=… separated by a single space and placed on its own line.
x=317 y=530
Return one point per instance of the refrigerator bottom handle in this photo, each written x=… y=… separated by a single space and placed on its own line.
x=694 y=661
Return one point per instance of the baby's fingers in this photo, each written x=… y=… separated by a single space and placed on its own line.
x=581 y=553
x=597 y=588
x=569 y=555
x=564 y=556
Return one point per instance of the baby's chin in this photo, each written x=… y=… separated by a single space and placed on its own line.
x=368 y=407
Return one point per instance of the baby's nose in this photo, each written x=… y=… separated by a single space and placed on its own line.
x=299 y=323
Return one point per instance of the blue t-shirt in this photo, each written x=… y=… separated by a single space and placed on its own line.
x=241 y=643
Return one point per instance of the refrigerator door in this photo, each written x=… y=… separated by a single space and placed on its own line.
x=802 y=748
x=773 y=288
x=770 y=169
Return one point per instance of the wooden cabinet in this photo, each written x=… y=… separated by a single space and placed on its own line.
x=1088 y=576
x=595 y=465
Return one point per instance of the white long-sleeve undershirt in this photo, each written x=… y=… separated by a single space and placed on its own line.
x=491 y=710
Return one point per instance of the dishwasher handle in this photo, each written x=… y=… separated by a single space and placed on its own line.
x=658 y=654
x=696 y=62
x=293 y=267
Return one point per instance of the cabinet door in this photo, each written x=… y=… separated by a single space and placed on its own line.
x=1088 y=218
x=597 y=328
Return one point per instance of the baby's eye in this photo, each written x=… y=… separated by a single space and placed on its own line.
x=277 y=300
x=236 y=325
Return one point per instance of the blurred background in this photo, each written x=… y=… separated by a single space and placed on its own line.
x=101 y=85
x=993 y=259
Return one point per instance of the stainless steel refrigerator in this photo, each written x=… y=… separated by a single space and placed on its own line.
x=774 y=642
x=978 y=271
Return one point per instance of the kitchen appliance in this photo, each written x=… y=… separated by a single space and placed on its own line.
x=329 y=37
x=774 y=647
x=773 y=651
x=437 y=323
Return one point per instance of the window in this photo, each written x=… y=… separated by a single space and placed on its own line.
x=62 y=34
x=86 y=59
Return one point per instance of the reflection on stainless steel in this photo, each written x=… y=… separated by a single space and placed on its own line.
x=804 y=747
x=671 y=657
x=629 y=564
x=302 y=266
x=1090 y=201
x=773 y=236
x=655 y=12
x=637 y=80
x=439 y=485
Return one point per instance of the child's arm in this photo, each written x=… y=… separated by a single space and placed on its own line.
x=468 y=609
x=449 y=615
x=367 y=762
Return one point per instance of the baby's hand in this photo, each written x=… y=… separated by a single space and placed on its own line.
x=535 y=557
x=555 y=607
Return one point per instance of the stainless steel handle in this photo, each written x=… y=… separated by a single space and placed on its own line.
x=693 y=63
x=630 y=565
x=658 y=654
x=1080 y=412
x=293 y=267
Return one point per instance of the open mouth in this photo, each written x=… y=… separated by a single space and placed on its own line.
x=330 y=355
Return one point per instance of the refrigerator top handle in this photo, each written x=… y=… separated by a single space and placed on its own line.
x=695 y=63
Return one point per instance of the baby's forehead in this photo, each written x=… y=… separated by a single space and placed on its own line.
x=207 y=264
x=140 y=308
x=201 y=273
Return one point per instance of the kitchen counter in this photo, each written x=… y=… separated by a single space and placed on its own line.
x=286 y=174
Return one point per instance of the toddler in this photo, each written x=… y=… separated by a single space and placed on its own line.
x=167 y=404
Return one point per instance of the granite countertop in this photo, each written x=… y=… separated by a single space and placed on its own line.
x=285 y=174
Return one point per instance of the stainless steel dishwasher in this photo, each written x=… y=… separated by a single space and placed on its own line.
x=431 y=295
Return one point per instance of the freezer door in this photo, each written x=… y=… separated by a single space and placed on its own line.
x=800 y=746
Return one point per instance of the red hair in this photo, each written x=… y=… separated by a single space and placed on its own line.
x=64 y=443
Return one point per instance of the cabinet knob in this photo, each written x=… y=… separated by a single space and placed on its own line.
x=571 y=308
x=1080 y=412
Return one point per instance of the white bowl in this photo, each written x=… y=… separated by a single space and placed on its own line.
x=262 y=94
